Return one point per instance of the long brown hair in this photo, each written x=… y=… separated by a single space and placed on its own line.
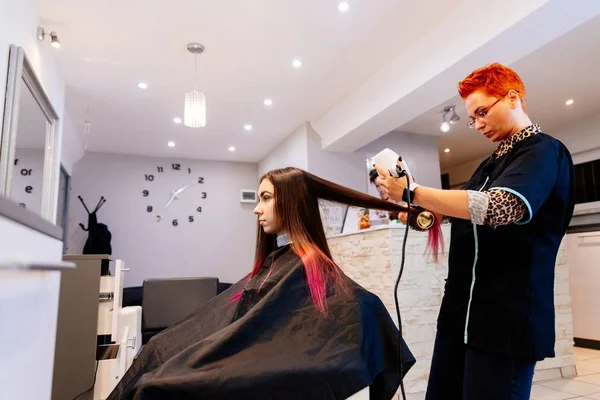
x=296 y=197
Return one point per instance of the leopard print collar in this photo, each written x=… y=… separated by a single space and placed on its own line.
x=508 y=144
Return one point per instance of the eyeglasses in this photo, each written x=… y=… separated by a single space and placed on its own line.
x=482 y=113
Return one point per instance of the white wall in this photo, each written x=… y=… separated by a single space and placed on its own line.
x=420 y=152
x=28 y=172
x=219 y=242
x=291 y=152
x=582 y=139
x=303 y=149
x=348 y=169
x=18 y=25
x=72 y=147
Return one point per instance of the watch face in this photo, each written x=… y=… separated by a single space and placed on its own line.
x=174 y=194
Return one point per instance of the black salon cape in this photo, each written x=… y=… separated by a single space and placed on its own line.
x=272 y=344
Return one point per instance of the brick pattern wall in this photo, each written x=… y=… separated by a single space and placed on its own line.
x=373 y=258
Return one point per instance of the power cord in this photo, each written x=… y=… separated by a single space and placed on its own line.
x=93 y=384
x=402 y=172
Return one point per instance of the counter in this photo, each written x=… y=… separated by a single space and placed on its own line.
x=372 y=258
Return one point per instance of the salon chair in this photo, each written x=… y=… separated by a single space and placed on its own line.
x=167 y=301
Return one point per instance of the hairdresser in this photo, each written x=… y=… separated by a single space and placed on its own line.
x=497 y=314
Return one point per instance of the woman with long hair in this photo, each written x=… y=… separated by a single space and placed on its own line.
x=296 y=327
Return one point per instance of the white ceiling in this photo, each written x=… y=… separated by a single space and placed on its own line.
x=108 y=46
x=564 y=69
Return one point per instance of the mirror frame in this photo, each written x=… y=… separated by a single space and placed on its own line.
x=19 y=67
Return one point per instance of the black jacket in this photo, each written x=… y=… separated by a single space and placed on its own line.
x=499 y=295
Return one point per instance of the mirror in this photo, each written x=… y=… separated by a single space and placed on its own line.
x=28 y=166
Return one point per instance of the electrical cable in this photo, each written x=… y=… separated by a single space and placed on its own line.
x=402 y=172
x=93 y=384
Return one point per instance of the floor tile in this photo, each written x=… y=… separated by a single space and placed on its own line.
x=572 y=386
x=593 y=396
x=587 y=367
x=594 y=379
x=414 y=396
x=539 y=392
x=586 y=354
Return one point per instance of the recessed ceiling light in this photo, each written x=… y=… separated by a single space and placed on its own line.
x=177 y=120
x=268 y=102
x=248 y=127
x=569 y=102
x=446 y=150
x=142 y=85
x=171 y=144
x=231 y=148
x=343 y=6
x=297 y=63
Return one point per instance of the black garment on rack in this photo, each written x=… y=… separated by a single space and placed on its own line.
x=272 y=344
x=99 y=237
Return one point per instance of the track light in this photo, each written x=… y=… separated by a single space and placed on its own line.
x=41 y=34
x=454 y=118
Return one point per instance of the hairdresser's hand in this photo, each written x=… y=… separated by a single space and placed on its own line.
x=394 y=187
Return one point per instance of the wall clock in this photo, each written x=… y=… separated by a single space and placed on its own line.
x=165 y=186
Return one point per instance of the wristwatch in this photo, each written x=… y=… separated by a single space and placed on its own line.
x=409 y=192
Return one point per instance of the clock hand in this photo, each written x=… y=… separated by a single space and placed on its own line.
x=175 y=194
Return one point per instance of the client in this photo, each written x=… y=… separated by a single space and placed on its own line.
x=296 y=327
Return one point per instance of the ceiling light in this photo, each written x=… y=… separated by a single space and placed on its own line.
x=195 y=101
x=297 y=63
x=343 y=6
x=231 y=148
x=569 y=102
x=248 y=127
x=171 y=144
x=446 y=150
x=54 y=40
x=41 y=34
x=142 y=85
x=177 y=120
x=268 y=102
x=445 y=127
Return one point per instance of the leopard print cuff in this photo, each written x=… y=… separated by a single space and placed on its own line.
x=505 y=208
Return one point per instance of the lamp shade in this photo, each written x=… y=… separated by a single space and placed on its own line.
x=195 y=109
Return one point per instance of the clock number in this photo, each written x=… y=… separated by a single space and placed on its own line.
x=26 y=172
x=189 y=170
x=200 y=180
x=150 y=178
x=191 y=219
x=160 y=169
x=29 y=189
x=22 y=205
x=176 y=167
x=199 y=209
x=16 y=161
x=146 y=193
x=149 y=209
x=175 y=223
x=203 y=195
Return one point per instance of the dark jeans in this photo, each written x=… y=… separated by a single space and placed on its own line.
x=459 y=372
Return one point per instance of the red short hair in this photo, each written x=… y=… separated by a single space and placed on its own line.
x=495 y=79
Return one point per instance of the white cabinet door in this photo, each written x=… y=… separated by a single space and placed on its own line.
x=584 y=277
